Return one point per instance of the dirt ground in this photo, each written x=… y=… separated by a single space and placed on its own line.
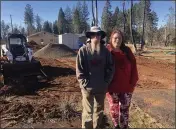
x=57 y=103
x=162 y=53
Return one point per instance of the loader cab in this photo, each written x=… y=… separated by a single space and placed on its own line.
x=16 y=44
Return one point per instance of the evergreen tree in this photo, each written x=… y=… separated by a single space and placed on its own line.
x=85 y=17
x=55 y=28
x=68 y=18
x=38 y=23
x=76 y=21
x=115 y=18
x=22 y=30
x=4 y=29
x=46 y=27
x=51 y=27
x=106 y=22
x=29 y=18
x=61 y=22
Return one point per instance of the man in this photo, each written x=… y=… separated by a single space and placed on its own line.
x=94 y=71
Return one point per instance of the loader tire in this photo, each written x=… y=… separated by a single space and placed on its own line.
x=6 y=81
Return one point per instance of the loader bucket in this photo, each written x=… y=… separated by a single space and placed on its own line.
x=19 y=70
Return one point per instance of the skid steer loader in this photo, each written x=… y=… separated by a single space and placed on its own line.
x=17 y=62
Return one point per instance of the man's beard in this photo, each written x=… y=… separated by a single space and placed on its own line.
x=96 y=47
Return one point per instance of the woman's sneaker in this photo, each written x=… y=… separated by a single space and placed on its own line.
x=117 y=127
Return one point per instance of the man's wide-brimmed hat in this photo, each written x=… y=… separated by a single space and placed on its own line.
x=95 y=29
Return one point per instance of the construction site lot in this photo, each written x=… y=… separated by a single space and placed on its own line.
x=161 y=53
x=57 y=103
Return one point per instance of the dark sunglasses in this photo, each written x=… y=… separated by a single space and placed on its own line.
x=96 y=34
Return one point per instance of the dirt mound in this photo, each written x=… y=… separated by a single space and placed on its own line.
x=55 y=51
x=32 y=43
x=35 y=47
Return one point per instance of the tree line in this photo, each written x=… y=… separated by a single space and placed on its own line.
x=74 y=20
x=69 y=21
x=138 y=23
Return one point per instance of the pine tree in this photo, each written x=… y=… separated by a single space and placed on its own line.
x=152 y=23
x=29 y=18
x=16 y=29
x=138 y=16
x=23 y=31
x=106 y=23
x=38 y=23
x=76 y=21
x=68 y=18
x=4 y=29
x=50 y=27
x=46 y=27
x=115 y=18
x=55 y=28
x=85 y=17
x=170 y=26
x=79 y=8
x=61 y=22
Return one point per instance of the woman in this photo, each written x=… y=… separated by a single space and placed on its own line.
x=125 y=77
x=94 y=71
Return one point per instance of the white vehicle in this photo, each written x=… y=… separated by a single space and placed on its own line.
x=16 y=50
x=20 y=63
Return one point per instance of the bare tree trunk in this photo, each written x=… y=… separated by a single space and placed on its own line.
x=93 y=14
x=0 y=54
x=131 y=23
x=143 y=41
x=152 y=41
x=165 y=36
x=96 y=12
x=11 y=22
x=28 y=32
x=124 y=18
x=167 y=40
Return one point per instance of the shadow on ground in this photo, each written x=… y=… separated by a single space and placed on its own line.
x=52 y=72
